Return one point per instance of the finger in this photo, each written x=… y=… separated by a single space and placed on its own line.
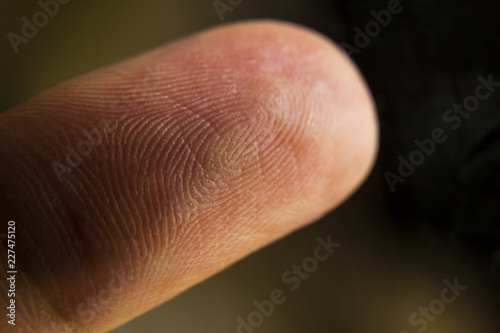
x=132 y=183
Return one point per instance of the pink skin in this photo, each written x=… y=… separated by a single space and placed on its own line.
x=215 y=146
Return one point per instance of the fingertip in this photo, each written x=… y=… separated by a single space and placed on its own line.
x=222 y=143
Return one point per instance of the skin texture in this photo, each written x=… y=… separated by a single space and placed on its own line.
x=203 y=152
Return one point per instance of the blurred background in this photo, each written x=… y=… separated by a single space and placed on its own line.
x=442 y=222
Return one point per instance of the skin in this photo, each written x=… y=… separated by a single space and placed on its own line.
x=215 y=146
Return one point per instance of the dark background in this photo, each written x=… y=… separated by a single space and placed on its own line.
x=397 y=248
